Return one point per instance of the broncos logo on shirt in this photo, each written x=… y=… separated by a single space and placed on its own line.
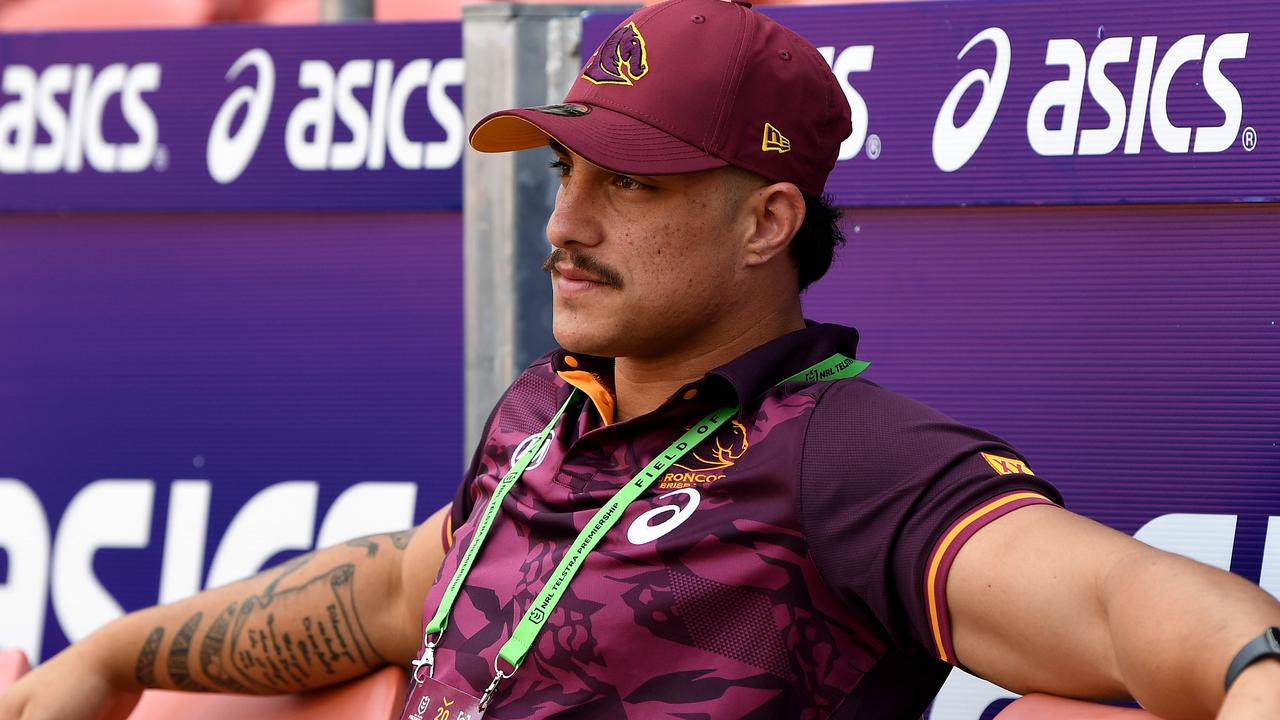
x=723 y=453
x=706 y=465
x=620 y=60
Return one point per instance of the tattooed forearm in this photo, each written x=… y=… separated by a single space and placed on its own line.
x=273 y=653
x=180 y=655
x=302 y=630
x=144 y=670
x=211 y=662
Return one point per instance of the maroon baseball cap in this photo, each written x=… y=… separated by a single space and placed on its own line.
x=690 y=85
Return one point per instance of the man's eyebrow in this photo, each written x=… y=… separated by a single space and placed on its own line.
x=557 y=148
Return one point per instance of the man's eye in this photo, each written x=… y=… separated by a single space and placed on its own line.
x=561 y=166
x=629 y=183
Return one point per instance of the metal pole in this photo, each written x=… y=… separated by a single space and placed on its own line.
x=345 y=10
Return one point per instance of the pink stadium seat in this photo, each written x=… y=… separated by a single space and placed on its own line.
x=411 y=10
x=1046 y=707
x=287 y=12
x=13 y=665
x=379 y=696
x=98 y=15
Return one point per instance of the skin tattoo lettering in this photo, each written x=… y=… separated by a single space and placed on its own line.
x=273 y=657
x=211 y=662
x=248 y=650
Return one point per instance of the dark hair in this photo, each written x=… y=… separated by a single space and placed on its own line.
x=814 y=244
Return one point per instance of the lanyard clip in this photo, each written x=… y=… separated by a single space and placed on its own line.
x=428 y=659
x=498 y=677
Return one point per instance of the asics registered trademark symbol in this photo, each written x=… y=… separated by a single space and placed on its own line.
x=1249 y=139
x=160 y=162
x=643 y=530
x=874 y=147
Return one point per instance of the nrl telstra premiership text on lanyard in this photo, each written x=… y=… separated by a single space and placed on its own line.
x=431 y=699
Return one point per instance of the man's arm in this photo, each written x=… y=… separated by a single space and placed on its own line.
x=1045 y=600
x=319 y=619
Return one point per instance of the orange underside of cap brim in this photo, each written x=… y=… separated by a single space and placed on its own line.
x=603 y=137
x=506 y=133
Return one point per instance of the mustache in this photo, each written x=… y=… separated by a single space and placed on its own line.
x=607 y=275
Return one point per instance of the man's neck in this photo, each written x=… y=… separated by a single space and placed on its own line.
x=644 y=383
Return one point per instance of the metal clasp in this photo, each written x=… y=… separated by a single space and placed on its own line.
x=498 y=676
x=427 y=660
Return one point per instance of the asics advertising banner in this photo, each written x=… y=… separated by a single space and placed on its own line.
x=230 y=306
x=989 y=102
x=332 y=117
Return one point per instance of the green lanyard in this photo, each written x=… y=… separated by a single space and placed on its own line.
x=526 y=632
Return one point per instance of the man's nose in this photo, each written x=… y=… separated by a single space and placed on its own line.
x=574 y=219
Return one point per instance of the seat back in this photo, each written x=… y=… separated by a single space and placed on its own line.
x=288 y=12
x=1047 y=707
x=378 y=696
x=13 y=665
x=97 y=15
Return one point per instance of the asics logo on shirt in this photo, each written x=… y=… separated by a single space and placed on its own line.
x=643 y=530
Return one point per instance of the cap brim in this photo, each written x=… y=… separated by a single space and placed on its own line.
x=603 y=137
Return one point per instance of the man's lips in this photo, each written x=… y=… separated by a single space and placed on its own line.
x=573 y=283
x=580 y=272
x=570 y=272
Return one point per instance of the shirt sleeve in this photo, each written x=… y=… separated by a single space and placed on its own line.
x=890 y=491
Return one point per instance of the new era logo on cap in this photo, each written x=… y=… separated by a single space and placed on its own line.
x=774 y=141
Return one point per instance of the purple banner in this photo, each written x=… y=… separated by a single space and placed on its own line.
x=338 y=117
x=189 y=398
x=1133 y=355
x=987 y=102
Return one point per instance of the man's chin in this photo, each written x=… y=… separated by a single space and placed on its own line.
x=577 y=338
x=588 y=348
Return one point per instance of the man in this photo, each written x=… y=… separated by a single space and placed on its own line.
x=695 y=508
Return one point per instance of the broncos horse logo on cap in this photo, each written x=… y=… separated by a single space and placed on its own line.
x=620 y=60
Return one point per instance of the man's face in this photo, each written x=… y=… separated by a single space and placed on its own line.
x=643 y=265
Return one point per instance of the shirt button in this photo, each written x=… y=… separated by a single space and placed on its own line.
x=690 y=394
x=571 y=361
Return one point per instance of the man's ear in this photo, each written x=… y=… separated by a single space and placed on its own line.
x=777 y=211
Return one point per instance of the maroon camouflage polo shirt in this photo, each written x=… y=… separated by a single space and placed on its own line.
x=792 y=566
